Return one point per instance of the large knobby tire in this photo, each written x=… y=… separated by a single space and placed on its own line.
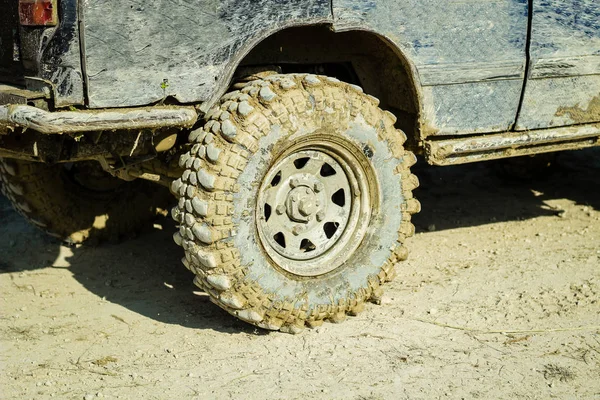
x=77 y=202
x=295 y=201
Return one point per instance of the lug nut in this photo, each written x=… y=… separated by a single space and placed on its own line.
x=320 y=216
x=294 y=182
x=318 y=187
x=297 y=230
x=280 y=209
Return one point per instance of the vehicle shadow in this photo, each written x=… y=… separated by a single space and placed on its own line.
x=145 y=274
x=483 y=193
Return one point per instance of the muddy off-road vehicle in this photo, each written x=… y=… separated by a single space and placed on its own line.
x=284 y=130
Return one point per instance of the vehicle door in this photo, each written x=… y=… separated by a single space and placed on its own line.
x=469 y=56
x=563 y=85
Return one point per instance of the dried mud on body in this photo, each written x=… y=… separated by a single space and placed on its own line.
x=498 y=300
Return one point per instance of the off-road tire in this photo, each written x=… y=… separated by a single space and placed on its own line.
x=50 y=200
x=216 y=214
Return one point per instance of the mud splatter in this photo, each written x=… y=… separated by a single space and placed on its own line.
x=579 y=115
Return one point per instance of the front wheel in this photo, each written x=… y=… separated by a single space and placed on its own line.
x=295 y=201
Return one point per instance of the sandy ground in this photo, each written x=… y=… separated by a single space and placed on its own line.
x=499 y=300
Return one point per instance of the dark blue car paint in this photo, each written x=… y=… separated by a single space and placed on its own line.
x=467 y=58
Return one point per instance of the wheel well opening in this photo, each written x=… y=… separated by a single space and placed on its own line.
x=357 y=57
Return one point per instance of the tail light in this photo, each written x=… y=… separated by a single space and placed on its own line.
x=38 y=12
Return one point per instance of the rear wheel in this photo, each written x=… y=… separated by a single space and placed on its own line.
x=295 y=202
x=79 y=201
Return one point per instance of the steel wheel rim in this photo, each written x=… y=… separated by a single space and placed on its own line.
x=314 y=206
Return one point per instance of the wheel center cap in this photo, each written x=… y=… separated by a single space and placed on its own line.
x=301 y=204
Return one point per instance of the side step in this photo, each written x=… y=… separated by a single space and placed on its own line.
x=509 y=144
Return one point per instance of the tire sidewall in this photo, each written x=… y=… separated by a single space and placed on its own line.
x=381 y=236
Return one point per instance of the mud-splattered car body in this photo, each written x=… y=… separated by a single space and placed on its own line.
x=463 y=69
x=285 y=129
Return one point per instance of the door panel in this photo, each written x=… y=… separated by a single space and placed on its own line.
x=563 y=87
x=469 y=56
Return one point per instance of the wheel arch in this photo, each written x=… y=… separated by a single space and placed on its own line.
x=370 y=55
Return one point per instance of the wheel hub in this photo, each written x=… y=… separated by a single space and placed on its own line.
x=302 y=204
x=308 y=207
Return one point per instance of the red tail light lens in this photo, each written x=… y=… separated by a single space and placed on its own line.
x=38 y=12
